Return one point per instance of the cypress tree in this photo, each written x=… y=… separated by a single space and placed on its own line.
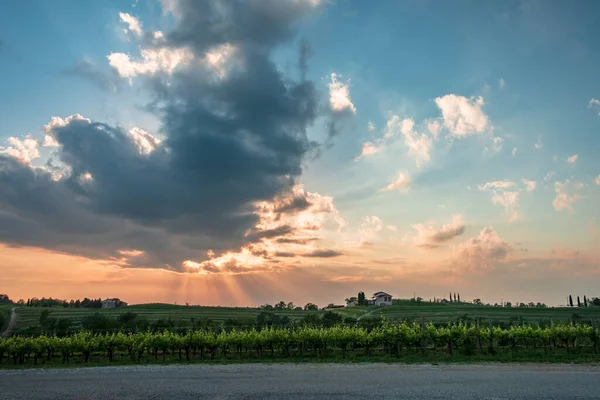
x=450 y=297
x=570 y=301
x=459 y=297
x=584 y=301
x=578 y=302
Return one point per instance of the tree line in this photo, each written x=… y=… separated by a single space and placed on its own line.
x=51 y=302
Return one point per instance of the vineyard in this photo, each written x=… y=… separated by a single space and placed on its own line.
x=388 y=340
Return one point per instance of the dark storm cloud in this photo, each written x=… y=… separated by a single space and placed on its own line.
x=228 y=144
x=325 y=253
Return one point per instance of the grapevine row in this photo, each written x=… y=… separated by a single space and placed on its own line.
x=389 y=339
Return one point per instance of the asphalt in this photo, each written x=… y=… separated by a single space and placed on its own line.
x=305 y=381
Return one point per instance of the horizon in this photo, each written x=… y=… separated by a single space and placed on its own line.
x=244 y=153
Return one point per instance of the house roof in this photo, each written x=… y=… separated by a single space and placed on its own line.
x=379 y=294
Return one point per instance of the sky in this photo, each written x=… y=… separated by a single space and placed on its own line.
x=246 y=152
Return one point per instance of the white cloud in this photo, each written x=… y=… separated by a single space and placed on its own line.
x=529 y=185
x=549 y=176
x=145 y=142
x=434 y=127
x=392 y=228
x=572 y=159
x=339 y=96
x=510 y=202
x=496 y=185
x=504 y=197
x=132 y=22
x=430 y=237
x=153 y=60
x=57 y=122
x=419 y=145
x=595 y=103
x=462 y=116
x=402 y=182
x=567 y=193
x=538 y=145
x=219 y=59
x=496 y=144
x=514 y=152
x=25 y=150
x=369 y=229
x=371 y=126
x=501 y=83
x=484 y=251
x=368 y=149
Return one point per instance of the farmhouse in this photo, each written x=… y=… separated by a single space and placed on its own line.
x=381 y=299
x=111 y=303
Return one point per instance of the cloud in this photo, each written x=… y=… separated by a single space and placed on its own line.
x=572 y=159
x=392 y=228
x=430 y=237
x=496 y=185
x=402 y=183
x=509 y=199
x=514 y=152
x=484 y=251
x=323 y=253
x=419 y=145
x=86 y=69
x=434 y=127
x=25 y=150
x=462 y=116
x=529 y=185
x=226 y=146
x=501 y=84
x=368 y=149
x=594 y=103
x=153 y=61
x=369 y=229
x=538 y=145
x=339 y=96
x=371 y=126
x=567 y=193
x=133 y=23
x=598 y=180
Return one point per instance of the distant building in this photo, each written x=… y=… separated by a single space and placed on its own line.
x=112 y=303
x=381 y=299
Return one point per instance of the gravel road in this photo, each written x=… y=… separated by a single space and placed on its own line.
x=305 y=381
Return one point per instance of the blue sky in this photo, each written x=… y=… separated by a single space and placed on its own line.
x=522 y=74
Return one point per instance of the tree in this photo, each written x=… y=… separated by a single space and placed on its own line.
x=584 y=301
x=477 y=302
x=596 y=301
x=455 y=297
x=290 y=305
x=508 y=304
x=331 y=318
x=310 y=307
x=578 y=302
x=570 y=301
x=450 y=297
x=459 y=297
x=361 y=299
x=351 y=300
x=4 y=299
x=281 y=305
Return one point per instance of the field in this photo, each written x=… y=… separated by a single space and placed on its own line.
x=437 y=313
x=29 y=316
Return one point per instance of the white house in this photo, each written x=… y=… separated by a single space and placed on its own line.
x=381 y=299
x=109 y=303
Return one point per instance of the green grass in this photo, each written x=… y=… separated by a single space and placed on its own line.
x=29 y=316
x=438 y=313
x=450 y=312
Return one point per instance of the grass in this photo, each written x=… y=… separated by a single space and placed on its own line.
x=439 y=313
x=29 y=316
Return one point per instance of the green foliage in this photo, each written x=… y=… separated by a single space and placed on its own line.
x=387 y=339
